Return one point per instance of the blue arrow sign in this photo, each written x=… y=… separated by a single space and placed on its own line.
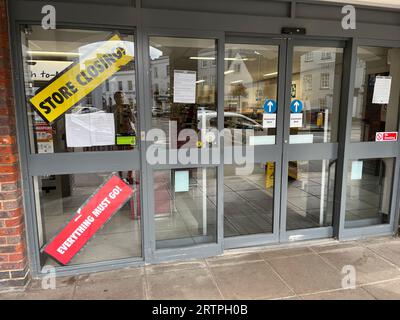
x=296 y=106
x=269 y=106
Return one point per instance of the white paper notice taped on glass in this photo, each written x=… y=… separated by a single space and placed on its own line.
x=301 y=138
x=184 y=86
x=382 y=90
x=181 y=181
x=356 y=170
x=296 y=120
x=261 y=140
x=77 y=128
x=269 y=120
x=90 y=129
x=102 y=129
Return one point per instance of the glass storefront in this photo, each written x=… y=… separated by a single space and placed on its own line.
x=279 y=102
x=49 y=53
x=369 y=116
x=59 y=197
x=369 y=196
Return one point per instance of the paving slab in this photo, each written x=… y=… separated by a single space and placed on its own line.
x=307 y=273
x=369 y=267
x=193 y=284
x=253 y=280
x=389 y=290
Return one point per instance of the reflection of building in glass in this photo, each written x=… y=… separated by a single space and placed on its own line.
x=206 y=77
x=123 y=80
x=160 y=80
x=250 y=78
x=316 y=76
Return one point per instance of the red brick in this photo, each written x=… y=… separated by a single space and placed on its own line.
x=11 y=195
x=10 y=204
x=12 y=222
x=8 y=168
x=10 y=213
x=10 y=177
x=16 y=257
x=8 y=150
x=13 y=266
x=11 y=231
x=7 y=159
x=6 y=140
x=9 y=186
x=14 y=239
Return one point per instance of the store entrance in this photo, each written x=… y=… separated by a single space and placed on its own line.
x=285 y=94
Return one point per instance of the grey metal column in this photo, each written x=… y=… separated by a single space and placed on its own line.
x=346 y=107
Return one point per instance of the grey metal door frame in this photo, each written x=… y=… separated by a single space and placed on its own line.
x=99 y=16
x=266 y=153
x=282 y=152
x=33 y=165
x=202 y=250
x=364 y=150
x=311 y=151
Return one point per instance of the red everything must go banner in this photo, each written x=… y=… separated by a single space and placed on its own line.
x=89 y=219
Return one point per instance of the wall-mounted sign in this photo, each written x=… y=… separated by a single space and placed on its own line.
x=386 y=136
x=184 y=86
x=296 y=120
x=382 y=90
x=89 y=219
x=269 y=120
x=269 y=106
x=296 y=106
x=293 y=90
x=81 y=78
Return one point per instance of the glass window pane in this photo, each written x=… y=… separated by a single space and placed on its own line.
x=251 y=78
x=310 y=194
x=249 y=199
x=59 y=197
x=369 y=190
x=46 y=54
x=368 y=117
x=183 y=88
x=185 y=207
x=316 y=85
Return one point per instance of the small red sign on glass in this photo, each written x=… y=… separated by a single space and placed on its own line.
x=386 y=136
x=89 y=219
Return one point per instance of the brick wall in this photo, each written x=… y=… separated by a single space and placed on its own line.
x=13 y=262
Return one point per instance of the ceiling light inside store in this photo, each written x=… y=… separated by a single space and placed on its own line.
x=270 y=74
x=236 y=81
x=229 y=71
x=236 y=59
x=202 y=58
x=200 y=81
x=53 y=53
x=211 y=58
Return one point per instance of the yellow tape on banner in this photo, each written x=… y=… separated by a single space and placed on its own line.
x=80 y=79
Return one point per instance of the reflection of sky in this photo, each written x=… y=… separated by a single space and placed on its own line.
x=89 y=51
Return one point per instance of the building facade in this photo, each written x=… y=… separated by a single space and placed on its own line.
x=309 y=113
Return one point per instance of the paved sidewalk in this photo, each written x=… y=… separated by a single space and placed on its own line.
x=310 y=271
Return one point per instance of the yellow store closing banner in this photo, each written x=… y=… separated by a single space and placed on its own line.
x=81 y=78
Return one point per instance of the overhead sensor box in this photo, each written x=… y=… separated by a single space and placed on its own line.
x=293 y=31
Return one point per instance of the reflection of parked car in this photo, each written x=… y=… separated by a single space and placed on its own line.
x=232 y=120
x=156 y=111
x=236 y=122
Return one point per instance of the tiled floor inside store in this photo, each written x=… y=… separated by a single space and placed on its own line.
x=310 y=270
